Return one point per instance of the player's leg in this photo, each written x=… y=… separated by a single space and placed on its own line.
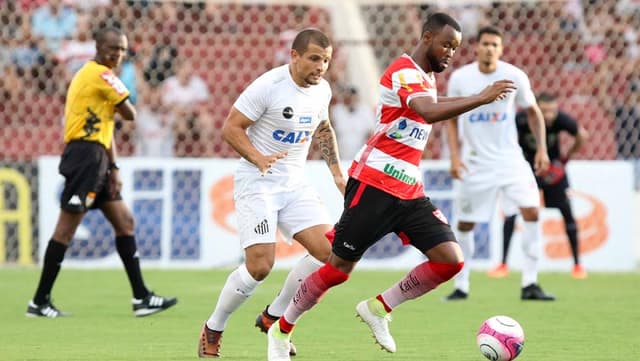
x=556 y=197
x=40 y=305
x=507 y=233
x=144 y=301
x=522 y=189
x=257 y=225
x=366 y=219
x=475 y=202
x=84 y=166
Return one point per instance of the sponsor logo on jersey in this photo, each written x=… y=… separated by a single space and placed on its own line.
x=287 y=112
x=394 y=133
x=487 y=117
x=305 y=120
x=114 y=82
x=291 y=137
x=390 y=170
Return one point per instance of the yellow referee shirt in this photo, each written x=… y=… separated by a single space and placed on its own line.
x=93 y=94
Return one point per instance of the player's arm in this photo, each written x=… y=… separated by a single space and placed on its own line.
x=443 y=99
x=126 y=109
x=234 y=132
x=581 y=137
x=432 y=111
x=326 y=138
x=456 y=167
x=538 y=128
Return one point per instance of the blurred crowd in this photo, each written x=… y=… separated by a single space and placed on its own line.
x=189 y=60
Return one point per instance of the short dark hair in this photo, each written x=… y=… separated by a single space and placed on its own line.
x=102 y=33
x=307 y=36
x=436 y=21
x=489 y=30
x=546 y=97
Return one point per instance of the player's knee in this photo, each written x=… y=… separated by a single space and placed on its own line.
x=446 y=271
x=465 y=226
x=259 y=270
x=332 y=276
x=530 y=214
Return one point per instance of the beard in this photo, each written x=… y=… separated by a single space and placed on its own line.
x=434 y=62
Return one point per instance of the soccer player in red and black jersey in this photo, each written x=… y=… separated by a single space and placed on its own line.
x=385 y=194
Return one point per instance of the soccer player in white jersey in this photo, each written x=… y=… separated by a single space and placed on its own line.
x=492 y=160
x=385 y=194
x=271 y=126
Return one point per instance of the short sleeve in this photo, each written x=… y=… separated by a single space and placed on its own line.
x=252 y=102
x=567 y=123
x=524 y=95
x=453 y=88
x=324 y=112
x=112 y=88
x=410 y=83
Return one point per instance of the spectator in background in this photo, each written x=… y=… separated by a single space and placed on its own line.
x=154 y=131
x=75 y=52
x=353 y=122
x=554 y=183
x=54 y=22
x=185 y=95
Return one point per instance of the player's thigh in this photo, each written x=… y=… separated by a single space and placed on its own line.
x=314 y=240
x=119 y=215
x=369 y=214
x=257 y=219
x=555 y=195
x=476 y=199
x=423 y=225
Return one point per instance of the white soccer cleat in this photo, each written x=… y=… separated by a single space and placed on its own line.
x=278 y=348
x=379 y=326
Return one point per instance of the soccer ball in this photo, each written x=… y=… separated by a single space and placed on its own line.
x=500 y=338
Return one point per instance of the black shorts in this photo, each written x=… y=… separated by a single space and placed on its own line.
x=370 y=213
x=555 y=195
x=84 y=166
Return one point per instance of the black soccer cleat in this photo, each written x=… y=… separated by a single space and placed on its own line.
x=152 y=304
x=535 y=293
x=46 y=310
x=456 y=295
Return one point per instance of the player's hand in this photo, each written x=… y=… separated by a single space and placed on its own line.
x=115 y=182
x=541 y=163
x=341 y=183
x=265 y=163
x=497 y=91
x=457 y=168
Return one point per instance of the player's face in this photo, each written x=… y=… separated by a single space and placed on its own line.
x=549 y=111
x=442 y=47
x=489 y=48
x=309 y=68
x=112 y=50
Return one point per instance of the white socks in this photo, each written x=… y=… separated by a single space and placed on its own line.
x=239 y=286
x=306 y=266
x=467 y=244
x=531 y=236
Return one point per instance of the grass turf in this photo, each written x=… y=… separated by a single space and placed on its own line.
x=596 y=319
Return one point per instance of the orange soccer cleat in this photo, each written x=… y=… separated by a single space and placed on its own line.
x=209 y=345
x=501 y=271
x=578 y=272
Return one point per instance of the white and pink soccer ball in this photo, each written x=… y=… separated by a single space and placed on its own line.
x=500 y=338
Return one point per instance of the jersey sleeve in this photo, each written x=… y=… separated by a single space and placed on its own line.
x=112 y=87
x=410 y=83
x=252 y=102
x=524 y=95
x=453 y=89
x=567 y=123
x=324 y=112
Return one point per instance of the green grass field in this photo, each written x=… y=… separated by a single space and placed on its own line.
x=597 y=319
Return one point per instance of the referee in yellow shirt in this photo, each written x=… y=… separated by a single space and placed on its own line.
x=92 y=180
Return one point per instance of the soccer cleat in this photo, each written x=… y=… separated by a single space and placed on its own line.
x=278 y=344
x=535 y=293
x=209 y=345
x=46 y=310
x=501 y=271
x=379 y=325
x=152 y=304
x=578 y=272
x=457 y=295
x=264 y=321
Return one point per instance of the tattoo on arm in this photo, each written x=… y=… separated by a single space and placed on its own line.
x=327 y=142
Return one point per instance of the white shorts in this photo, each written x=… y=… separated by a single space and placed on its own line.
x=259 y=215
x=479 y=190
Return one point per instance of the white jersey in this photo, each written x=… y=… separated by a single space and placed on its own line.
x=285 y=117
x=490 y=135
